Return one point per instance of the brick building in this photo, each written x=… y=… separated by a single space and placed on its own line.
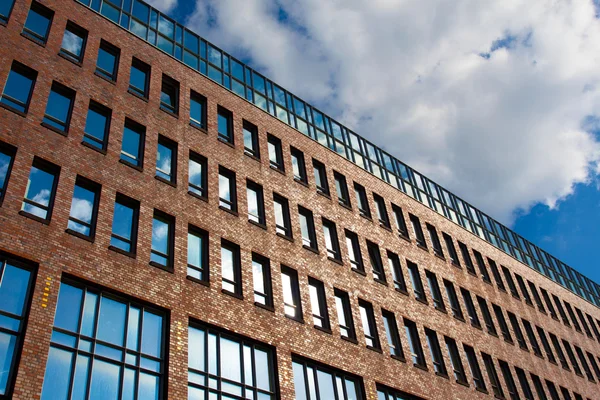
x=175 y=225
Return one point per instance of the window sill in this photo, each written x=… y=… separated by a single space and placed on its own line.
x=360 y=272
x=252 y=156
x=80 y=235
x=421 y=367
x=203 y=198
x=163 y=267
x=404 y=237
x=494 y=334
x=441 y=375
x=198 y=127
x=404 y=292
x=487 y=281
x=34 y=217
x=101 y=151
x=264 y=307
x=163 y=180
x=111 y=81
x=78 y=63
x=477 y=326
x=257 y=224
x=386 y=227
x=424 y=248
x=455 y=264
x=125 y=253
x=538 y=356
x=552 y=362
x=375 y=349
x=472 y=273
x=397 y=358
x=311 y=249
x=279 y=170
x=168 y=112
x=442 y=310
x=423 y=301
x=324 y=330
x=482 y=390
x=3 y=22
x=226 y=142
x=335 y=260
x=9 y=108
x=381 y=281
x=441 y=257
x=502 y=289
x=300 y=181
x=524 y=348
x=228 y=211
x=298 y=320
x=509 y=341
x=54 y=129
x=348 y=339
x=459 y=318
x=137 y=95
x=234 y=295
x=365 y=216
x=532 y=306
x=130 y=165
x=288 y=238
x=324 y=194
x=462 y=383
x=346 y=206
x=195 y=280
x=34 y=39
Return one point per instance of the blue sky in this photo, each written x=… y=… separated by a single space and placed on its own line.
x=497 y=101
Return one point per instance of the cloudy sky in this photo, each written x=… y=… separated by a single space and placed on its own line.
x=496 y=100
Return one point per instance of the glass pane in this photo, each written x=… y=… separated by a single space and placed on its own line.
x=263 y=376
x=197 y=111
x=37 y=23
x=195 y=173
x=230 y=351
x=82 y=207
x=95 y=125
x=111 y=323
x=73 y=43
x=105 y=381
x=196 y=355
x=227 y=264
x=133 y=328
x=148 y=387
x=68 y=308
x=89 y=314
x=195 y=250
x=128 y=387
x=299 y=384
x=58 y=368
x=160 y=236
x=224 y=188
x=58 y=106
x=258 y=276
x=123 y=220
x=80 y=378
x=131 y=145
x=152 y=334
x=164 y=161
x=223 y=122
x=106 y=61
x=39 y=191
x=7 y=347
x=138 y=78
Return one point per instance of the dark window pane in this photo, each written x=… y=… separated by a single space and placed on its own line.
x=197 y=175
x=7 y=154
x=124 y=225
x=37 y=24
x=18 y=87
x=108 y=61
x=225 y=125
x=73 y=43
x=5 y=9
x=40 y=191
x=58 y=108
x=97 y=126
x=82 y=214
x=133 y=139
x=162 y=234
x=198 y=110
x=139 y=78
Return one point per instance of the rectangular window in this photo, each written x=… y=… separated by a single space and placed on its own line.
x=41 y=189
x=197 y=254
x=332 y=243
x=125 y=224
x=318 y=304
x=318 y=382
x=435 y=241
x=292 y=305
x=457 y=366
x=549 y=304
x=344 y=315
x=485 y=275
x=467 y=258
x=197 y=110
x=38 y=22
x=283 y=224
x=546 y=344
x=434 y=289
x=392 y=335
x=227 y=190
x=307 y=228
x=354 y=253
x=386 y=393
x=251 y=146
x=561 y=310
x=7 y=158
x=487 y=316
x=511 y=386
x=475 y=369
x=589 y=317
x=247 y=368
x=231 y=268
x=84 y=208
x=471 y=311
x=436 y=353
x=139 y=79
x=532 y=339
x=197 y=175
x=397 y=274
x=16 y=289
x=492 y=375
x=376 y=262
x=572 y=358
x=166 y=160
x=586 y=328
x=225 y=124
x=539 y=387
x=380 y=208
x=552 y=389
x=572 y=316
x=584 y=364
x=5 y=10
x=97 y=126
x=451 y=249
x=367 y=317
x=559 y=351
x=163 y=240
x=418 y=231
x=18 y=88
x=122 y=346
x=524 y=290
x=517 y=329
x=59 y=108
x=261 y=278
x=256 y=203
x=503 y=325
x=565 y=393
x=107 y=64
x=298 y=165
x=416 y=350
x=73 y=43
x=320 y=174
x=415 y=280
x=169 y=95
x=510 y=282
x=400 y=221
x=361 y=200
x=594 y=364
x=341 y=189
x=275 y=153
x=453 y=299
x=496 y=274
x=132 y=150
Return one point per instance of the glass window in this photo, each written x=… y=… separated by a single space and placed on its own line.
x=197 y=110
x=97 y=126
x=532 y=339
x=251 y=139
x=435 y=241
x=107 y=64
x=73 y=43
x=169 y=95
x=392 y=335
x=332 y=243
x=227 y=190
x=361 y=200
x=231 y=268
x=197 y=175
x=132 y=150
x=559 y=351
x=565 y=393
x=552 y=390
x=572 y=358
x=492 y=375
x=298 y=165
x=5 y=10
x=316 y=382
x=7 y=158
x=471 y=311
x=166 y=159
x=227 y=366
x=546 y=344
x=139 y=78
x=397 y=274
x=457 y=366
x=385 y=393
x=517 y=329
x=415 y=280
x=584 y=364
x=539 y=387
x=124 y=226
x=283 y=225
x=487 y=316
x=467 y=258
x=510 y=282
x=120 y=350
x=561 y=310
x=41 y=189
x=416 y=350
x=59 y=107
x=38 y=22
x=376 y=262
x=569 y=310
x=503 y=325
x=275 y=153
x=307 y=228
x=292 y=306
x=318 y=304
x=84 y=207
x=381 y=209
x=451 y=249
x=434 y=289
x=400 y=221
x=261 y=277
x=367 y=317
x=256 y=203
x=341 y=188
x=436 y=352
x=549 y=304
x=320 y=177
x=496 y=274
x=15 y=297
x=418 y=231
x=513 y=394
x=197 y=254
x=344 y=315
x=485 y=275
x=163 y=240
x=18 y=87
x=475 y=369
x=453 y=299
x=225 y=124
x=354 y=253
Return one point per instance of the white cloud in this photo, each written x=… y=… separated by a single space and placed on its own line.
x=504 y=129
x=81 y=209
x=163 y=5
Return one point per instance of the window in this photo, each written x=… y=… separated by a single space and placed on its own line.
x=125 y=224
x=316 y=382
x=275 y=153
x=451 y=249
x=416 y=351
x=166 y=160
x=572 y=358
x=224 y=365
x=524 y=290
x=107 y=64
x=318 y=304
x=231 y=268
x=435 y=241
x=251 y=139
x=475 y=369
x=225 y=124
x=261 y=278
x=539 y=388
x=453 y=299
x=397 y=274
x=38 y=22
x=169 y=95
x=197 y=175
x=532 y=339
x=283 y=224
x=332 y=243
x=307 y=228
x=97 y=126
x=256 y=203
x=572 y=316
x=18 y=88
x=59 y=108
x=197 y=110
x=470 y=308
x=510 y=282
x=367 y=317
x=590 y=319
x=227 y=190
x=16 y=281
x=41 y=189
x=73 y=43
x=418 y=231
x=197 y=254
x=132 y=150
x=354 y=253
x=139 y=79
x=400 y=222
x=298 y=165
x=84 y=208
x=485 y=275
x=376 y=262
x=565 y=393
x=584 y=363
x=552 y=390
x=361 y=200
x=415 y=280
x=5 y=10
x=436 y=353
x=487 y=316
x=467 y=258
x=549 y=304
x=385 y=393
x=492 y=375
x=7 y=158
x=457 y=366
x=586 y=328
x=344 y=314
x=561 y=310
x=594 y=364
x=434 y=289
x=381 y=210
x=292 y=306
x=503 y=325
x=559 y=351
x=121 y=346
x=546 y=344
x=392 y=335
x=320 y=177
x=496 y=274
x=513 y=393
x=517 y=329
x=163 y=240
x=341 y=189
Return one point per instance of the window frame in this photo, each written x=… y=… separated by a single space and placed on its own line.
x=252 y=129
x=286 y=230
x=231 y=205
x=476 y=373
x=488 y=362
x=414 y=341
x=454 y=260
x=382 y=213
x=106 y=112
x=353 y=242
x=510 y=282
x=10 y=151
x=96 y=188
x=435 y=351
x=237 y=283
x=418 y=231
x=192 y=187
x=48 y=120
x=517 y=330
x=310 y=227
x=204 y=269
x=485 y=274
x=135 y=206
x=278 y=164
x=28 y=73
x=334 y=253
x=416 y=282
x=453 y=300
x=487 y=316
x=390 y=326
x=30 y=34
x=320 y=170
x=114 y=51
x=169 y=256
x=434 y=289
x=346 y=311
x=302 y=176
x=362 y=202
x=397 y=274
x=335 y=373
x=173 y=85
x=173 y=147
x=200 y=99
x=535 y=346
x=435 y=241
x=496 y=275
x=368 y=322
x=400 y=221
x=509 y=380
x=227 y=137
x=77 y=31
x=4 y=18
x=504 y=329
x=143 y=93
x=467 y=258
x=376 y=262
x=267 y=282
x=261 y=218
x=341 y=188
x=470 y=306
x=458 y=368
x=52 y=169
x=295 y=293
x=320 y=306
x=141 y=131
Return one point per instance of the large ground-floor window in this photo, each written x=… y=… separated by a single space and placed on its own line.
x=314 y=381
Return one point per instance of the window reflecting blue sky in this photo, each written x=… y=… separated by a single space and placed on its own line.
x=37 y=23
x=95 y=125
x=39 y=190
x=72 y=42
x=18 y=87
